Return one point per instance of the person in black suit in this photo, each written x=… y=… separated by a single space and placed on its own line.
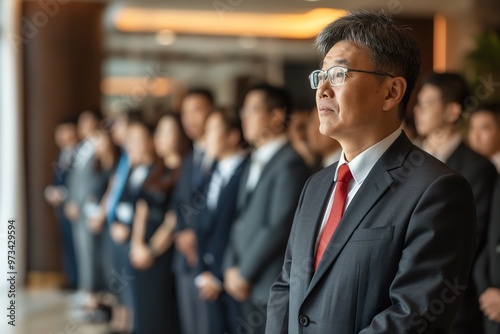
x=438 y=116
x=487 y=270
x=223 y=141
x=383 y=240
x=267 y=197
x=195 y=171
x=484 y=132
x=66 y=139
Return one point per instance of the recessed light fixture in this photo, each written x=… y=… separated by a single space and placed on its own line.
x=165 y=37
x=248 y=41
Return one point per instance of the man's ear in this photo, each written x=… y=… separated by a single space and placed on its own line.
x=452 y=112
x=395 y=91
x=278 y=120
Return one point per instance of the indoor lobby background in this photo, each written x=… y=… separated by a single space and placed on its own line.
x=59 y=57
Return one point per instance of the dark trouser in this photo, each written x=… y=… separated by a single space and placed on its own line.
x=253 y=318
x=68 y=248
x=223 y=315
x=192 y=310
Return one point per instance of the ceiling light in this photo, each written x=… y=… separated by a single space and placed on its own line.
x=299 y=26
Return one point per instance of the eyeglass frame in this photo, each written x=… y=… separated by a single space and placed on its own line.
x=345 y=69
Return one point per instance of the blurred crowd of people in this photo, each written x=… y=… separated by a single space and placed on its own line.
x=181 y=226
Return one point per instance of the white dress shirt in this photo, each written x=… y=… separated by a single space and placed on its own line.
x=360 y=167
x=260 y=157
x=495 y=159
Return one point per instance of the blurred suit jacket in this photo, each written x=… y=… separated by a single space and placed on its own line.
x=400 y=255
x=481 y=174
x=214 y=227
x=187 y=202
x=258 y=238
x=487 y=270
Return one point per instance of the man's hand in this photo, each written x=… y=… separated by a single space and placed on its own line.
x=489 y=302
x=185 y=243
x=209 y=286
x=72 y=211
x=235 y=285
x=119 y=232
x=54 y=195
x=141 y=256
x=95 y=224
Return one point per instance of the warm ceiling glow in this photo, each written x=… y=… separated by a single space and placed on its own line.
x=135 y=87
x=300 y=26
x=439 y=43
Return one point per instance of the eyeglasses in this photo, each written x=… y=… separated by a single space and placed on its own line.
x=336 y=76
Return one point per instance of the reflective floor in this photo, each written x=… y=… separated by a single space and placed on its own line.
x=47 y=312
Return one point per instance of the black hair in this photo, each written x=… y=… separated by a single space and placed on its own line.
x=275 y=98
x=393 y=49
x=232 y=121
x=491 y=107
x=452 y=86
x=206 y=93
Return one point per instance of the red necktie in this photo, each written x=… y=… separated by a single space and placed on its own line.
x=339 y=199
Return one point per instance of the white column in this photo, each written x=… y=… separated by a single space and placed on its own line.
x=12 y=197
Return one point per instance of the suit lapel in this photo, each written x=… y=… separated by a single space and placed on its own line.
x=312 y=215
x=376 y=183
x=267 y=167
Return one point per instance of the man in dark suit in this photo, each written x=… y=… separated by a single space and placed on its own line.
x=484 y=132
x=66 y=139
x=487 y=270
x=196 y=106
x=223 y=141
x=438 y=116
x=383 y=241
x=267 y=198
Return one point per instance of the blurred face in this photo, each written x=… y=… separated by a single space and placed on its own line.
x=318 y=142
x=484 y=133
x=297 y=129
x=194 y=112
x=119 y=130
x=216 y=136
x=429 y=111
x=259 y=123
x=104 y=146
x=87 y=124
x=355 y=107
x=138 y=143
x=166 y=137
x=65 y=135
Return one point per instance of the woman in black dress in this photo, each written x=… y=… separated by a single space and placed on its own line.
x=152 y=235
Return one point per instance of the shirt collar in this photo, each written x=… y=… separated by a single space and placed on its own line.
x=362 y=164
x=264 y=153
x=228 y=165
x=496 y=161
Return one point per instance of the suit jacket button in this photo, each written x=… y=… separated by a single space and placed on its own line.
x=304 y=320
